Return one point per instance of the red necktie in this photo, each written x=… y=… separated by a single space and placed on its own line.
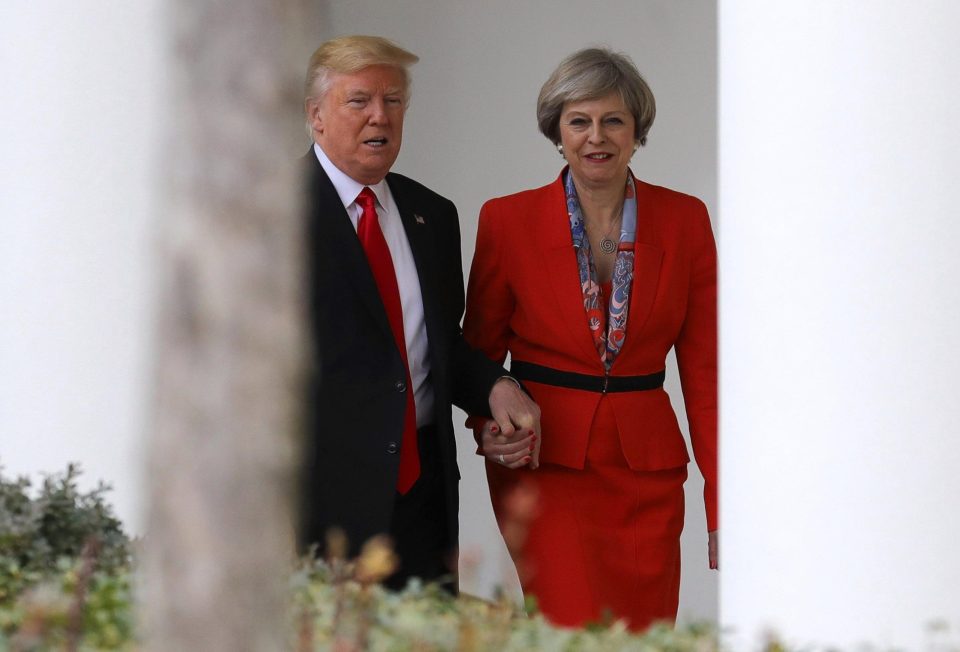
x=381 y=264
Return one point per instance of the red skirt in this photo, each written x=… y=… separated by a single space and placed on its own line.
x=594 y=543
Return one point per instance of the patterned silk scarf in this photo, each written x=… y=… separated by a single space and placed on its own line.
x=609 y=343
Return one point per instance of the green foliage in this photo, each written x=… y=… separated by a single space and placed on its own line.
x=331 y=613
x=327 y=614
x=39 y=532
x=54 y=611
x=58 y=593
x=64 y=567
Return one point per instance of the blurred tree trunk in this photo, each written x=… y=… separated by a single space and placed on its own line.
x=230 y=327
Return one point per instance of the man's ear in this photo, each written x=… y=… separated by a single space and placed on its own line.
x=314 y=111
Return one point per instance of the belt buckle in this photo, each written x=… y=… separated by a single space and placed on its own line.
x=606 y=382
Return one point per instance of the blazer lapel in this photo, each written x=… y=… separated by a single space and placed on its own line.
x=335 y=235
x=647 y=259
x=560 y=268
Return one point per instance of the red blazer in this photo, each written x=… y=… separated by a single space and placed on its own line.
x=524 y=298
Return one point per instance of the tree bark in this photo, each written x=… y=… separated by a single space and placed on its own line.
x=230 y=328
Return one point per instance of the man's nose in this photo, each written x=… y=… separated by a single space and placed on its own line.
x=378 y=111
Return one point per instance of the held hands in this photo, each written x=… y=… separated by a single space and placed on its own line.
x=512 y=438
x=713 y=549
x=514 y=451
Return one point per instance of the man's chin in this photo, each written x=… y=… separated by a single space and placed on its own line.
x=374 y=172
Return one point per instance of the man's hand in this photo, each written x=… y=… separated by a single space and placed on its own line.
x=517 y=419
x=713 y=549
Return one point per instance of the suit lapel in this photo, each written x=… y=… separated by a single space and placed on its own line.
x=420 y=235
x=337 y=239
x=647 y=258
x=560 y=268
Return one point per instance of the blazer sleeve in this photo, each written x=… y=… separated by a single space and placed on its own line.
x=490 y=302
x=696 y=349
x=473 y=373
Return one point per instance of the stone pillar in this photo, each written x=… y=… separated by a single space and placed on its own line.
x=231 y=342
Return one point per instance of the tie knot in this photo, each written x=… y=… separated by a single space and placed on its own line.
x=366 y=200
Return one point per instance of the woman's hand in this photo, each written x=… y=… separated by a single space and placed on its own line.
x=512 y=451
x=516 y=415
x=713 y=549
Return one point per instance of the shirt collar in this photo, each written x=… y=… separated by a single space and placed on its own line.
x=346 y=187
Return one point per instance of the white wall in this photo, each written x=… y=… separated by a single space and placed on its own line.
x=840 y=348
x=471 y=134
x=78 y=125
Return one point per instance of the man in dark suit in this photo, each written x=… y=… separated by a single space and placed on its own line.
x=387 y=298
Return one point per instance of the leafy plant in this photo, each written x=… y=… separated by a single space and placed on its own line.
x=333 y=612
x=40 y=533
x=66 y=584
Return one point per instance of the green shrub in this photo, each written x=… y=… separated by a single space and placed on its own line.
x=41 y=533
x=57 y=592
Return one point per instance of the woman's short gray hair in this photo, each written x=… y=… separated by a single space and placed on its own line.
x=590 y=74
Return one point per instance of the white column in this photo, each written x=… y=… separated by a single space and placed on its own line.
x=839 y=199
x=82 y=91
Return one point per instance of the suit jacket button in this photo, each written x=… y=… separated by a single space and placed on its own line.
x=392 y=448
x=401 y=386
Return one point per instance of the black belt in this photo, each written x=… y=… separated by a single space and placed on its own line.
x=571 y=380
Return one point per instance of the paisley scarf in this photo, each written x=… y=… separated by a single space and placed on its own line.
x=609 y=343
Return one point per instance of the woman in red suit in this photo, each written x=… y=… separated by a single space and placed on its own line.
x=588 y=282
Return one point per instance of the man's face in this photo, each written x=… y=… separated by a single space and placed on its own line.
x=359 y=121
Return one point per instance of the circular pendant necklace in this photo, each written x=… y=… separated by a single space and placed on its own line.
x=607 y=244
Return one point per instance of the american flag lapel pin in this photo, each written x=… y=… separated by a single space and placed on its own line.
x=418 y=219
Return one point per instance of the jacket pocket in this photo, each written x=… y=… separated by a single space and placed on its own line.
x=649 y=433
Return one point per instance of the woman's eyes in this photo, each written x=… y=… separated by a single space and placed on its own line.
x=583 y=122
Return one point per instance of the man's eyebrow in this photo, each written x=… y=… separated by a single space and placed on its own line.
x=397 y=90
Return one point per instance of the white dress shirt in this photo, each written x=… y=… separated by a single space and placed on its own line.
x=414 y=327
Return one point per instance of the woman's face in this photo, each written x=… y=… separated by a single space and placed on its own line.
x=598 y=140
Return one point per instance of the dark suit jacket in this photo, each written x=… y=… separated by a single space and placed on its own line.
x=356 y=404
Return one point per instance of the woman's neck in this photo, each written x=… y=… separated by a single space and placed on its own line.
x=601 y=205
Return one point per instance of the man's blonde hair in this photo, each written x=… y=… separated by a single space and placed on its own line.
x=348 y=54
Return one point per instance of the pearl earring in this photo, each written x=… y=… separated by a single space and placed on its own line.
x=560 y=149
